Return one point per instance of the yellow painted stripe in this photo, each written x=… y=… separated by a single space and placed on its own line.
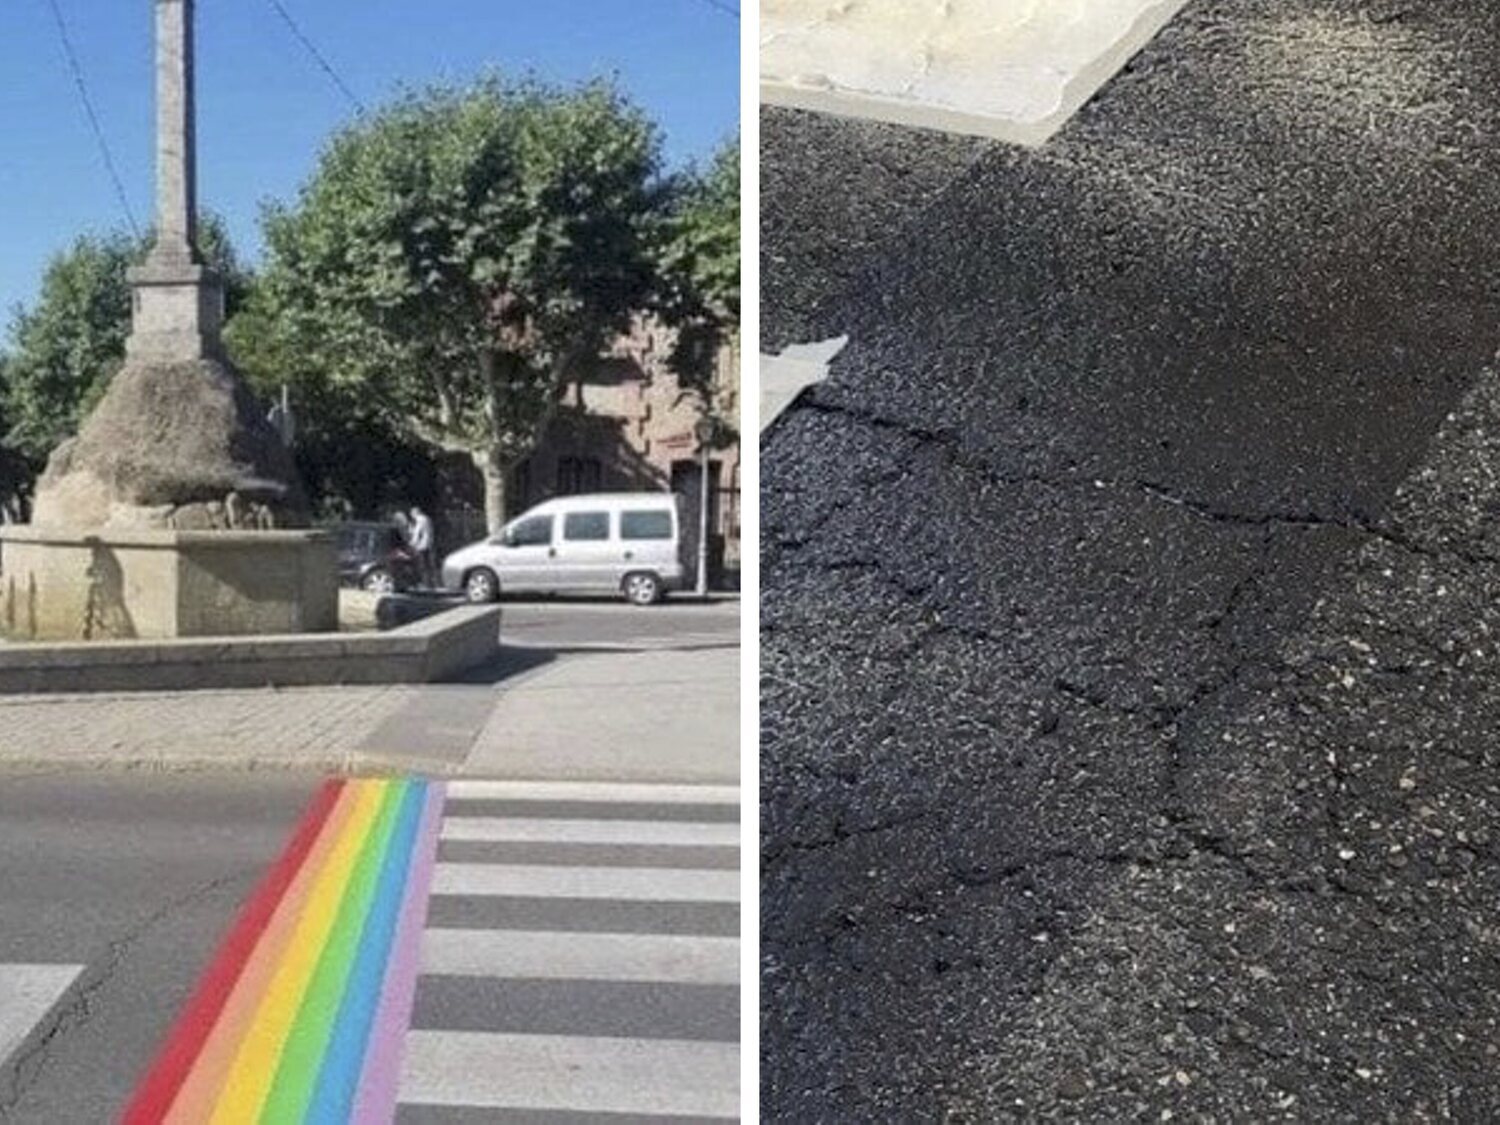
x=256 y=1061
x=199 y=1092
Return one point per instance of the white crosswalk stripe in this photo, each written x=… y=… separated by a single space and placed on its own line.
x=600 y=792
x=499 y=829
x=646 y=884
x=576 y=1073
x=581 y=953
x=542 y=955
x=27 y=993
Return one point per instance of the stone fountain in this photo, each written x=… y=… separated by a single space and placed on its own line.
x=176 y=510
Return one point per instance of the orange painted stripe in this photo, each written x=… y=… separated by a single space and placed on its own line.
x=199 y=1094
x=164 y=1078
x=253 y=1071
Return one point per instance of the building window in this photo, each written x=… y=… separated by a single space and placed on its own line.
x=586 y=526
x=577 y=475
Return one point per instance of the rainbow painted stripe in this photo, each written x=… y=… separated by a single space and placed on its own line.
x=301 y=1014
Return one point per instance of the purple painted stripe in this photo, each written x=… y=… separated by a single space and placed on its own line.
x=376 y=1104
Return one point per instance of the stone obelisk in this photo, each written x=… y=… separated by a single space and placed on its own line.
x=178 y=442
x=179 y=302
x=176 y=510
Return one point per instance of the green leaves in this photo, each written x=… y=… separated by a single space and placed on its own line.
x=697 y=250
x=64 y=350
x=459 y=224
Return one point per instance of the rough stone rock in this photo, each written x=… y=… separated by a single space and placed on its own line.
x=167 y=447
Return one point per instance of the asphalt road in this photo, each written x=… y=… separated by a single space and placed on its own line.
x=128 y=880
x=1130 y=593
x=116 y=885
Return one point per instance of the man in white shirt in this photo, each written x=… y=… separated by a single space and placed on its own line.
x=421 y=543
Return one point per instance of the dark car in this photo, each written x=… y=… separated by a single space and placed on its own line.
x=375 y=557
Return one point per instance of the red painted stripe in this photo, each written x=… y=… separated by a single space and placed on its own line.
x=153 y=1097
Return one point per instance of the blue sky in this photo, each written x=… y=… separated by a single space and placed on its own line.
x=265 y=108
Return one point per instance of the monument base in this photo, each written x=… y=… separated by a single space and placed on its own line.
x=61 y=583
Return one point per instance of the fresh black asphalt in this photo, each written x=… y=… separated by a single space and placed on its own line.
x=1129 y=617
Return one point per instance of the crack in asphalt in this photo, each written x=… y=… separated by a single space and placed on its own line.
x=77 y=1008
x=967 y=461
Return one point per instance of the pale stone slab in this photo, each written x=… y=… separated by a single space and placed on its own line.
x=1015 y=70
x=783 y=377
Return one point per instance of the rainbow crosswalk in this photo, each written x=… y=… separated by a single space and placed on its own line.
x=302 y=1012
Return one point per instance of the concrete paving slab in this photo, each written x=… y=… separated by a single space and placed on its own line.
x=664 y=715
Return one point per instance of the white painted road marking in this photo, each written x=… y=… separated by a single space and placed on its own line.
x=519 y=830
x=536 y=955
x=590 y=792
x=604 y=1021
x=27 y=993
x=571 y=1073
x=636 y=884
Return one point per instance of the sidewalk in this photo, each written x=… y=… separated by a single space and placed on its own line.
x=652 y=715
x=319 y=728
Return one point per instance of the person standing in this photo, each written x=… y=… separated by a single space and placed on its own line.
x=422 y=544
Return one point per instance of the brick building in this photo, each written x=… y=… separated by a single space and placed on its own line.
x=630 y=426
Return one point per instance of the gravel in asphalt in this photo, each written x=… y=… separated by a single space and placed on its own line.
x=1130 y=589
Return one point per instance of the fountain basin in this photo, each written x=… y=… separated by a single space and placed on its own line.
x=97 y=584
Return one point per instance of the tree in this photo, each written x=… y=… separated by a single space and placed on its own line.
x=66 y=348
x=463 y=254
x=698 y=254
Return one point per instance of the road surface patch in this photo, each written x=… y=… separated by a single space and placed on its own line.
x=302 y=1012
x=28 y=993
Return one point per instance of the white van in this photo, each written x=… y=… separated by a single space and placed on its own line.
x=610 y=542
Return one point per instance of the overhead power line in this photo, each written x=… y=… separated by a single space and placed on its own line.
x=93 y=117
x=317 y=55
x=723 y=6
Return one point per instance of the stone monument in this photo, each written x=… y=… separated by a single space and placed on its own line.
x=174 y=511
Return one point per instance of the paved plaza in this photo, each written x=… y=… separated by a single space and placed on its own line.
x=673 y=668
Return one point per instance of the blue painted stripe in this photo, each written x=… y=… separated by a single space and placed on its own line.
x=338 y=1078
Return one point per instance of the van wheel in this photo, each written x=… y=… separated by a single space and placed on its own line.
x=642 y=588
x=481 y=586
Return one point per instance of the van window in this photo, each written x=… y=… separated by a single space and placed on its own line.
x=646 y=525
x=531 y=532
x=586 y=526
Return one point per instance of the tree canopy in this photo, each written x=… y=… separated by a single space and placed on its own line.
x=698 y=252
x=700 y=260
x=463 y=254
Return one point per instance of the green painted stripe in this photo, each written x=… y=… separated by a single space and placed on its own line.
x=302 y=1058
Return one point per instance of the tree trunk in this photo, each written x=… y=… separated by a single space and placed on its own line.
x=494 y=473
x=491 y=464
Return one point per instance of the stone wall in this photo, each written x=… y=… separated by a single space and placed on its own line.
x=61 y=584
